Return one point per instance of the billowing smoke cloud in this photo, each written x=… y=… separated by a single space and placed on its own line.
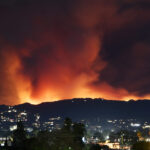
x=52 y=50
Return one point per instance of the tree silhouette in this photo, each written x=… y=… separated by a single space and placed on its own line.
x=69 y=137
x=141 y=146
x=95 y=147
x=19 y=137
x=67 y=124
x=78 y=133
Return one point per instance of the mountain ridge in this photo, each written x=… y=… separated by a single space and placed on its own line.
x=88 y=108
x=76 y=99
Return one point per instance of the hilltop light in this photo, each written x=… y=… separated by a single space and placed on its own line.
x=135 y=125
x=107 y=137
x=12 y=128
x=84 y=140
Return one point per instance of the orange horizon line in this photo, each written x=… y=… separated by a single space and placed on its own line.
x=52 y=101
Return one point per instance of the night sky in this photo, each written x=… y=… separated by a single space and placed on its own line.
x=61 y=49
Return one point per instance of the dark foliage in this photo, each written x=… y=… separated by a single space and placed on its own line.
x=67 y=138
x=141 y=146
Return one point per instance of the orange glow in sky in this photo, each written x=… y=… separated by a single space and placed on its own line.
x=74 y=49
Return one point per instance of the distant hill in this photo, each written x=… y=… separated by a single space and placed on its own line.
x=89 y=108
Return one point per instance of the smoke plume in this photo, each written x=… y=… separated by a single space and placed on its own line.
x=52 y=50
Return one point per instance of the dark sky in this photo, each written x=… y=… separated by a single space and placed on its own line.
x=57 y=49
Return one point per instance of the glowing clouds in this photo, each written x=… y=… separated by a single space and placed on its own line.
x=57 y=71
x=8 y=64
x=82 y=48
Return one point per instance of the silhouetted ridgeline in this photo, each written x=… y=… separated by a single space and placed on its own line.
x=89 y=108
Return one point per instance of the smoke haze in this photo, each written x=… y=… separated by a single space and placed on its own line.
x=51 y=50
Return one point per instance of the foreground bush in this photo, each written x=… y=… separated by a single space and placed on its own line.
x=141 y=146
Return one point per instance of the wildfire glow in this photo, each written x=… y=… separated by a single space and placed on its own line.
x=73 y=49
